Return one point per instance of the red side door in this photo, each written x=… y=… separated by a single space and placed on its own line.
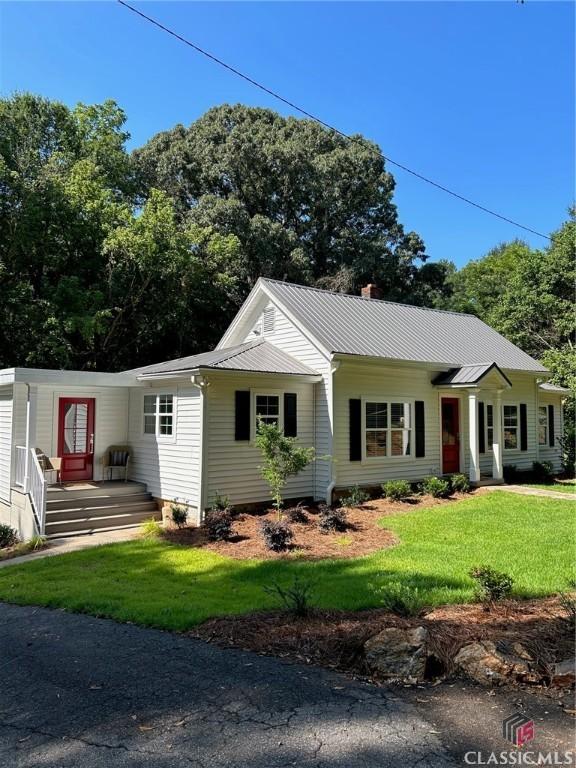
x=76 y=437
x=450 y=435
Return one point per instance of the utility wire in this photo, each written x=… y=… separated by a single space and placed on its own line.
x=319 y=120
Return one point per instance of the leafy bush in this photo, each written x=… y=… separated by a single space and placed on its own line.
x=151 y=528
x=218 y=524
x=436 y=487
x=221 y=502
x=277 y=535
x=8 y=536
x=491 y=585
x=295 y=598
x=397 y=490
x=179 y=515
x=459 y=483
x=398 y=598
x=355 y=497
x=542 y=471
x=332 y=519
x=297 y=514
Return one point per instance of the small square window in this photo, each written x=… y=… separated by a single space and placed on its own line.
x=268 y=409
x=158 y=415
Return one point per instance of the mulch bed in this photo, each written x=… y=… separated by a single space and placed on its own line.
x=335 y=639
x=362 y=537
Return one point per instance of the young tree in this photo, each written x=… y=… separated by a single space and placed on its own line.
x=283 y=458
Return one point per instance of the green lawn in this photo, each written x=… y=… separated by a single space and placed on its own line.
x=158 y=584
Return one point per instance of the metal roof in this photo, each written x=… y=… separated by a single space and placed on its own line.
x=548 y=387
x=468 y=374
x=357 y=326
x=257 y=356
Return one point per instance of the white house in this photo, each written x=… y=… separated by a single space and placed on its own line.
x=386 y=390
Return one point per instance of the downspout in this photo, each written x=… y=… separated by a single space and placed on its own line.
x=202 y=384
x=334 y=365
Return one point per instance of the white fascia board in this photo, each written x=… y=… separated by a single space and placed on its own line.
x=7 y=376
x=73 y=378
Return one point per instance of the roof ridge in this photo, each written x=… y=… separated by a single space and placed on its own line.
x=362 y=298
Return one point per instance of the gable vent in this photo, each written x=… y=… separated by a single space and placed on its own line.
x=268 y=319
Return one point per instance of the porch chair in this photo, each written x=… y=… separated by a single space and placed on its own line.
x=116 y=457
x=49 y=464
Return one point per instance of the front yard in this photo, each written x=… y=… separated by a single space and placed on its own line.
x=157 y=583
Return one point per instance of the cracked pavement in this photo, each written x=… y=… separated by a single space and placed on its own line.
x=82 y=692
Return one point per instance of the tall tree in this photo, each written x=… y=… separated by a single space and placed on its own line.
x=305 y=203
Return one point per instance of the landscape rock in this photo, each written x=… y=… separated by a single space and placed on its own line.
x=489 y=664
x=398 y=653
x=564 y=673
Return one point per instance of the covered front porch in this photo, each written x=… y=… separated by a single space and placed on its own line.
x=472 y=429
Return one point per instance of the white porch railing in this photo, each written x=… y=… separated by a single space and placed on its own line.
x=20 y=466
x=29 y=476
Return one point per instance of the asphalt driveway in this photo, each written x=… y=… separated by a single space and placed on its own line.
x=81 y=692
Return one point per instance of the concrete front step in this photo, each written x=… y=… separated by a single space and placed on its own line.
x=97 y=510
x=88 y=489
x=87 y=502
x=89 y=523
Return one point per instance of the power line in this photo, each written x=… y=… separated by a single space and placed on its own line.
x=319 y=120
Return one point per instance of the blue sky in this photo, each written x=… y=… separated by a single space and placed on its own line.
x=478 y=96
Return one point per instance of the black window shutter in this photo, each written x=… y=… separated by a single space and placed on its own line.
x=290 y=415
x=551 y=438
x=523 y=428
x=355 y=430
x=419 y=428
x=481 y=428
x=242 y=415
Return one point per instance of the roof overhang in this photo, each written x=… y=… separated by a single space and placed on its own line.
x=481 y=376
x=66 y=378
x=204 y=370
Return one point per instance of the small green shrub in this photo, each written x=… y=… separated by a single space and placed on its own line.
x=151 y=528
x=397 y=490
x=332 y=519
x=459 y=483
x=277 y=534
x=491 y=585
x=296 y=598
x=542 y=471
x=8 y=536
x=398 y=598
x=218 y=524
x=179 y=515
x=221 y=502
x=436 y=487
x=296 y=514
x=36 y=542
x=356 y=497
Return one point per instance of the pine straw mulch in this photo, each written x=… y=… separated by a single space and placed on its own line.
x=362 y=537
x=335 y=639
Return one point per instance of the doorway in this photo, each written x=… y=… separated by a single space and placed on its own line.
x=76 y=438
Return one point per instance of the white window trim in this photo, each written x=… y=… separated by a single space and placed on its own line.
x=488 y=444
x=254 y=393
x=156 y=436
x=388 y=399
x=546 y=426
x=517 y=428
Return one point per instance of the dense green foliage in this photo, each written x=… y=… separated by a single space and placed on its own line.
x=155 y=583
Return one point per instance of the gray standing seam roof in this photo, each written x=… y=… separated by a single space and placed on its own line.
x=357 y=326
x=468 y=374
x=257 y=356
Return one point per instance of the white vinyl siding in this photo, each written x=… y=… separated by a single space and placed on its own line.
x=287 y=337
x=379 y=384
x=168 y=466
x=5 y=441
x=232 y=466
x=545 y=452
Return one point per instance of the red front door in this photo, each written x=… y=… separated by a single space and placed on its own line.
x=76 y=437
x=450 y=435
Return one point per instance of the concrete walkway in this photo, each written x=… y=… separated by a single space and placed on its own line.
x=75 y=543
x=525 y=490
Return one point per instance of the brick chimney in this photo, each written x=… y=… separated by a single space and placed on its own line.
x=371 y=291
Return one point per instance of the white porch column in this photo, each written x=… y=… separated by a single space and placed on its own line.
x=31 y=415
x=497 y=467
x=474 y=446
